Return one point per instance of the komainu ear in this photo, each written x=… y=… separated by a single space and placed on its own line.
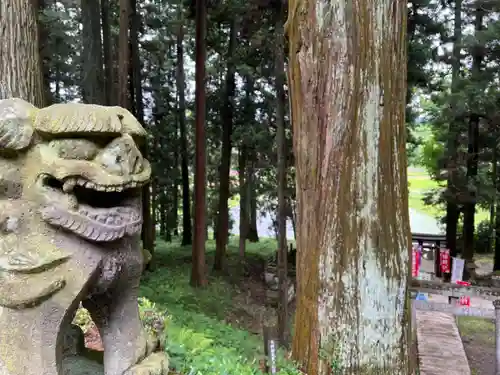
x=16 y=129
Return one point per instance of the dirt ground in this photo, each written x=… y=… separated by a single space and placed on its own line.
x=250 y=308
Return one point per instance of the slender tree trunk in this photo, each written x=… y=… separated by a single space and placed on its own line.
x=473 y=155
x=348 y=87
x=281 y=172
x=221 y=235
x=198 y=276
x=123 y=55
x=244 y=219
x=452 y=210
x=252 y=234
x=107 y=53
x=175 y=187
x=92 y=67
x=187 y=233
x=20 y=68
x=163 y=217
x=148 y=225
x=45 y=60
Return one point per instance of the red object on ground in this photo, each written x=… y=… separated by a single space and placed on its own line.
x=93 y=339
x=415 y=264
x=445 y=260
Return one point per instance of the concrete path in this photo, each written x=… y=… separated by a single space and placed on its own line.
x=440 y=348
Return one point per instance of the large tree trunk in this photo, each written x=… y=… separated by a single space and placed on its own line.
x=20 y=67
x=198 y=276
x=187 y=233
x=348 y=87
x=92 y=84
x=221 y=235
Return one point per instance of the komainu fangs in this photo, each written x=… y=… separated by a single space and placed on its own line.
x=70 y=221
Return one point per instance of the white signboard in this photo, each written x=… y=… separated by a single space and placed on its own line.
x=457 y=270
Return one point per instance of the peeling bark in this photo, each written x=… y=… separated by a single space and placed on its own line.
x=348 y=87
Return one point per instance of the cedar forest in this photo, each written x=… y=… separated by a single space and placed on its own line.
x=210 y=81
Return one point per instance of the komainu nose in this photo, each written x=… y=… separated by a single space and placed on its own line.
x=121 y=157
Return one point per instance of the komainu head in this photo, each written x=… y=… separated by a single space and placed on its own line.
x=78 y=165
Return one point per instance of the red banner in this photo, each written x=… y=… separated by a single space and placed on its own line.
x=445 y=260
x=415 y=264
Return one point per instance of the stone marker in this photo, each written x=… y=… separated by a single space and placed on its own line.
x=70 y=222
x=270 y=349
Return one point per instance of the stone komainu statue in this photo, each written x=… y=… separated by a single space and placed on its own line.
x=70 y=221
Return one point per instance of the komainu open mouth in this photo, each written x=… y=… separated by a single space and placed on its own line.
x=96 y=212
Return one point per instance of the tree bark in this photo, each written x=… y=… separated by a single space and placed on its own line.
x=20 y=67
x=348 y=87
x=187 y=232
x=221 y=235
x=198 y=276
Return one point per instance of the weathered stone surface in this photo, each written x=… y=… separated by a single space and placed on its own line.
x=70 y=219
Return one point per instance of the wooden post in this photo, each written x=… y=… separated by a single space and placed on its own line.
x=271 y=348
x=437 y=259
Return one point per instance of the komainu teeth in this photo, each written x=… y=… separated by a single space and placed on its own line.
x=69 y=184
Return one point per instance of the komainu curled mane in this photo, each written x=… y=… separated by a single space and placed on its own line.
x=70 y=221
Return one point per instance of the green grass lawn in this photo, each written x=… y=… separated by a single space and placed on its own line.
x=419 y=182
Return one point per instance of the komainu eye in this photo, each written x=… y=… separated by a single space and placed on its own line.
x=80 y=149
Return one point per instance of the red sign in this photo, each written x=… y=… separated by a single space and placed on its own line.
x=464 y=300
x=445 y=260
x=415 y=264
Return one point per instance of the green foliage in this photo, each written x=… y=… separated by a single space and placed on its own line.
x=483 y=237
x=431 y=152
